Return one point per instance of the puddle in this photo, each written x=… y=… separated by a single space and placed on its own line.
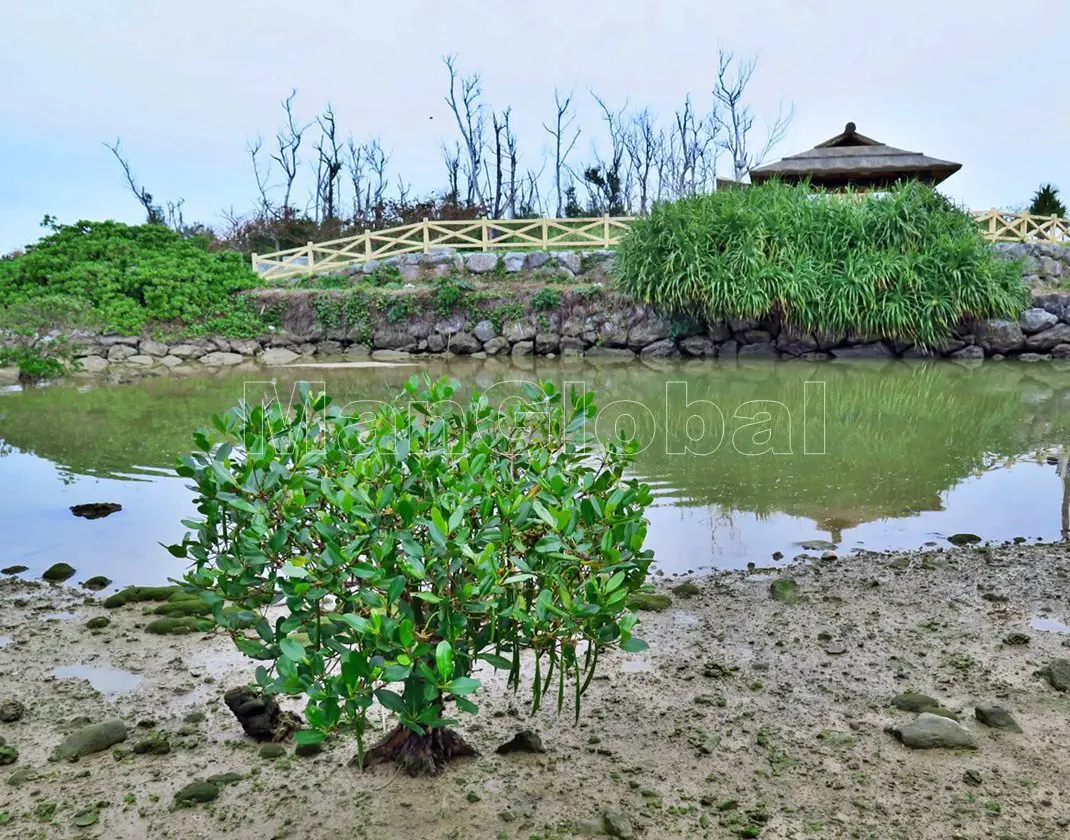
x=682 y=619
x=104 y=680
x=5 y=640
x=636 y=666
x=58 y=616
x=1052 y=625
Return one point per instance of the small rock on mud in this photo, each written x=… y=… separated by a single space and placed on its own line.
x=524 y=741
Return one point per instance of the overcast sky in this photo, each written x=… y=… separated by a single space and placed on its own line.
x=188 y=85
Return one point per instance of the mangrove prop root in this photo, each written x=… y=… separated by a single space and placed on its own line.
x=419 y=755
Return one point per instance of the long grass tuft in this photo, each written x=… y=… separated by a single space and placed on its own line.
x=904 y=265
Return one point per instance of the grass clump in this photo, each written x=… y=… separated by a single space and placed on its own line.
x=903 y=265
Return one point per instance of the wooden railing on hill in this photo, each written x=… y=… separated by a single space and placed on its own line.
x=550 y=234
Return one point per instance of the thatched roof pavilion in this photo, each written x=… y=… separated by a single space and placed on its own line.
x=853 y=160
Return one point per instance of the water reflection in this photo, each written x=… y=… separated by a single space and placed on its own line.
x=907 y=454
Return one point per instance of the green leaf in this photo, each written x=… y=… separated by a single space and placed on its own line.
x=177 y=550
x=292 y=649
x=444 y=660
x=309 y=736
x=463 y=685
x=396 y=673
x=390 y=701
x=289 y=570
x=633 y=645
x=499 y=662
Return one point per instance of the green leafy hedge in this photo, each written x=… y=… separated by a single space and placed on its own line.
x=903 y=265
x=130 y=276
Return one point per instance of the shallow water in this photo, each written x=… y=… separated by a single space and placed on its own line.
x=745 y=460
x=104 y=680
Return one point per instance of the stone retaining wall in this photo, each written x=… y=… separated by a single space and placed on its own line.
x=588 y=320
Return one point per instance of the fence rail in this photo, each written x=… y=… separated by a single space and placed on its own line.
x=550 y=234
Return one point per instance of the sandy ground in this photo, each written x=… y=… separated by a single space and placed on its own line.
x=746 y=718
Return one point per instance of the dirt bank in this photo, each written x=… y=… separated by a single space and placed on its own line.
x=747 y=717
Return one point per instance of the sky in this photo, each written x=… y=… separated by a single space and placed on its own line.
x=187 y=86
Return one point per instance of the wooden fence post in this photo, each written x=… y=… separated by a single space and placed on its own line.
x=605 y=230
x=484 y=231
x=254 y=261
x=545 y=235
x=367 y=244
x=311 y=256
x=427 y=237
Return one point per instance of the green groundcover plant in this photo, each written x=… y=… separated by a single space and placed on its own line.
x=383 y=558
x=902 y=265
x=131 y=276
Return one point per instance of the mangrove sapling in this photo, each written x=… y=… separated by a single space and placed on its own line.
x=401 y=549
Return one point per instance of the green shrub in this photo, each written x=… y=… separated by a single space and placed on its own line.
x=906 y=264
x=130 y=276
x=546 y=298
x=386 y=555
x=34 y=337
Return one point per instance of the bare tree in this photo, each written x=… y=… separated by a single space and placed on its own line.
x=452 y=158
x=169 y=215
x=563 y=144
x=468 y=112
x=266 y=208
x=366 y=164
x=289 y=144
x=153 y=213
x=736 y=119
x=643 y=143
x=329 y=166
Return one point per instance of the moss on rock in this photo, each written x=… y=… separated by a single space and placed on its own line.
x=649 y=601
x=58 y=572
x=135 y=594
x=178 y=626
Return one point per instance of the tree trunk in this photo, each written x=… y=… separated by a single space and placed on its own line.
x=419 y=755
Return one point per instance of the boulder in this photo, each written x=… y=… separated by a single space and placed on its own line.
x=484 y=330
x=571 y=346
x=547 y=342
x=1047 y=339
x=523 y=348
x=245 y=347
x=141 y=359
x=536 y=259
x=785 y=590
x=496 y=346
x=328 y=348
x=913 y=702
x=93 y=364
x=664 y=349
x=170 y=361
x=187 y=351
x=514 y=261
x=647 y=332
x=996 y=717
x=436 y=343
x=221 y=359
x=699 y=346
x=480 y=263
x=999 y=336
x=153 y=348
x=120 y=352
x=879 y=350
x=1058 y=674
x=931 y=731
x=94 y=738
x=275 y=356
x=464 y=343
x=763 y=350
x=971 y=351
x=1035 y=320
x=569 y=259
x=515 y=331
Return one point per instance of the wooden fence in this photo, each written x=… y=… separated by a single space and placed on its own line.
x=550 y=234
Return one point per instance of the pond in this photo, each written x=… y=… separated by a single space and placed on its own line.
x=748 y=462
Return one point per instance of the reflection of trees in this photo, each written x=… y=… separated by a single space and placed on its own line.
x=897 y=436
